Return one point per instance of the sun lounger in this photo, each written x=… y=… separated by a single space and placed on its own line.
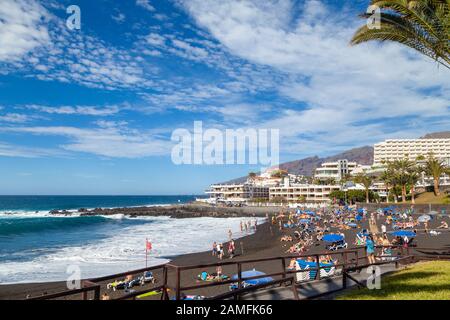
x=205 y=276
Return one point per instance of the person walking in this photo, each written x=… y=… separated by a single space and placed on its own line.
x=370 y=249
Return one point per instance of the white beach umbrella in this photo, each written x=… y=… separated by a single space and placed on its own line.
x=424 y=218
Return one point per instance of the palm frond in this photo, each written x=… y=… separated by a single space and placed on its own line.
x=423 y=25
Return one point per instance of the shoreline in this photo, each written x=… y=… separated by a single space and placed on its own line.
x=261 y=240
x=265 y=242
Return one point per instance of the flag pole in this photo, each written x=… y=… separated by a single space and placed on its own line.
x=146 y=251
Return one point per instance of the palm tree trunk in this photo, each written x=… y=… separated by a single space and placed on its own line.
x=413 y=194
x=436 y=187
x=388 y=192
x=367 y=195
x=403 y=193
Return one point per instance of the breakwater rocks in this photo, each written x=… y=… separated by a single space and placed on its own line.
x=177 y=211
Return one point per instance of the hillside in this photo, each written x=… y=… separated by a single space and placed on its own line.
x=362 y=155
x=306 y=166
x=437 y=135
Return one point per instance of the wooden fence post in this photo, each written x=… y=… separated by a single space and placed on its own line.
x=178 y=283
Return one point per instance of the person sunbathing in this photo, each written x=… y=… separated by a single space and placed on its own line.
x=444 y=225
x=286 y=239
x=292 y=264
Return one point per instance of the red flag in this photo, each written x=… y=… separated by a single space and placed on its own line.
x=148 y=245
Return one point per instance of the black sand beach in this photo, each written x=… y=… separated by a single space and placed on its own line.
x=265 y=242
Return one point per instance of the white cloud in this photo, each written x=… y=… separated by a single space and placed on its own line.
x=155 y=39
x=77 y=110
x=110 y=139
x=9 y=150
x=119 y=17
x=145 y=4
x=14 y=118
x=23 y=27
x=46 y=49
x=347 y=95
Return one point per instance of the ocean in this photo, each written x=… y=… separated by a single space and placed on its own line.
x=36 y=246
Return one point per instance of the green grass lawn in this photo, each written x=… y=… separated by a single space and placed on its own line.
x=422 y=281
x=429 y=197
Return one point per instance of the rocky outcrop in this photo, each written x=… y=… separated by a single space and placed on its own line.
x=178 y=211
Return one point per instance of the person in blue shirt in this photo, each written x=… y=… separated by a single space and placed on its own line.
x=370 y=249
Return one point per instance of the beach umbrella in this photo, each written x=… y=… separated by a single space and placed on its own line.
x=332 y=237
x=433 y=213
x=311 y=213
x=424 y=218
x=305 y=221
x=404 y=233
x=253 y=273
x=358 y=218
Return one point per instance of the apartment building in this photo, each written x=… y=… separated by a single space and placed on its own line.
x=237 y=192
x=395 y=149
x=308 y=192
x=335 y=170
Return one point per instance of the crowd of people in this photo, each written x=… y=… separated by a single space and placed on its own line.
x=304 y=229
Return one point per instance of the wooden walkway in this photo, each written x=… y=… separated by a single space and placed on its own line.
x=312 y=289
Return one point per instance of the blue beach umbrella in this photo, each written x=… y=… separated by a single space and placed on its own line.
x=358 y=218
x=404 y=233
x=311 y=213
x=332 y=237
x=304 y=221
x=253 y=273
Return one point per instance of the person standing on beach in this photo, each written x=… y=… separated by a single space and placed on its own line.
x=242 y=226
x=370 y=248
x=220 y=252
x=214 y=249
x=230 y=234
x=383 y=229
x=231 y=249
x=246 y=227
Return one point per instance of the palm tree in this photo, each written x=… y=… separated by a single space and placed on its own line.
x=366 y=181
x=435 y=168
x=423 y=25
x=387 y=177
x=414 y=177
x=402 y=173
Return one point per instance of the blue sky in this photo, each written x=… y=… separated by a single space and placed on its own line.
x=91 y=111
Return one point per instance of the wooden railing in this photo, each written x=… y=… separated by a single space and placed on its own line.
x=349 y=260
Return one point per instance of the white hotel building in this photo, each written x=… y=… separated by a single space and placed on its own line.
x=396 y=149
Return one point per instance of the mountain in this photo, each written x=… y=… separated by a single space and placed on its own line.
x=362 y=155
x=306 y=167
x=437 y=135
